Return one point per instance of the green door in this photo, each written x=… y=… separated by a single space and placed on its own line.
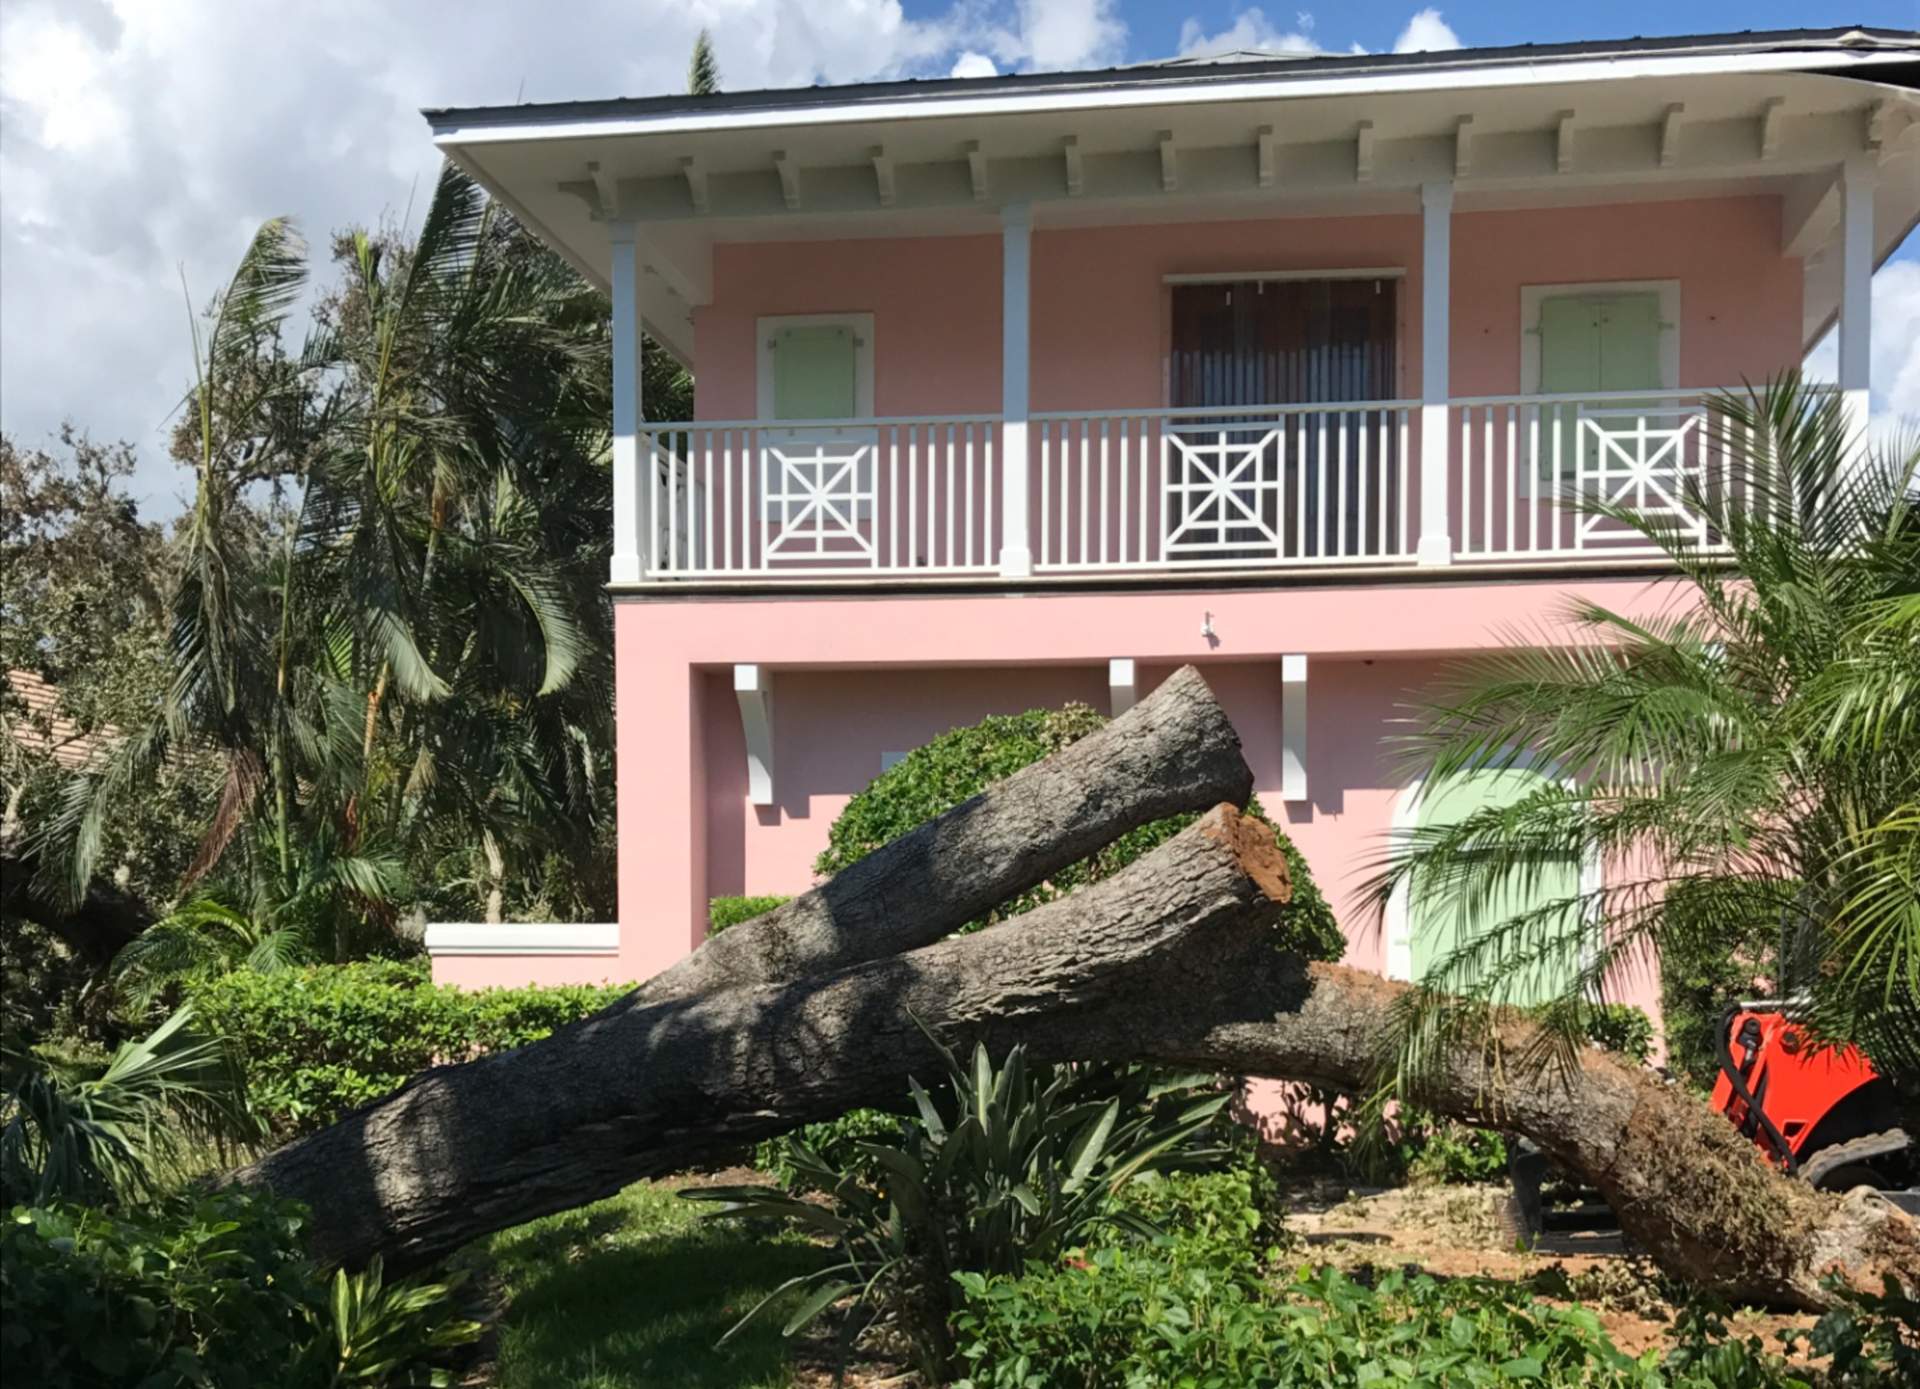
x=1591 y=343
x=1437 y=928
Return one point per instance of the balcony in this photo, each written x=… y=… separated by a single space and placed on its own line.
x=1150 y=495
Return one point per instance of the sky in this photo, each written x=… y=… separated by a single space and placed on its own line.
x=143 y=141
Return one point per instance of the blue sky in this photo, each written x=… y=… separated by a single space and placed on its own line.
x=145 y=140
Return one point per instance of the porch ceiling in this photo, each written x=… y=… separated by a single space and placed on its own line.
x=1230 y=145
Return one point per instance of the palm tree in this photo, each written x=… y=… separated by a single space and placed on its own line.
x=126 y=1132
x=1753 y=754
x=433 y=572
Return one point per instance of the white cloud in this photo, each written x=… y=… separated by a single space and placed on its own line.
x=146 y=139
x=1893 y=365
x=1251 y=29
x=971 y=64
x=1426 y=32
x=1072 y=33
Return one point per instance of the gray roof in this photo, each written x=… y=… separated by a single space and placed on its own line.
x=1180 y=72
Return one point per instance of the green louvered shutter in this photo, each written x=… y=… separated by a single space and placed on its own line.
x=814 y=373
x=1591 y=343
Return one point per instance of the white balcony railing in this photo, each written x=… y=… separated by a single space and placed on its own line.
x=1269 y=488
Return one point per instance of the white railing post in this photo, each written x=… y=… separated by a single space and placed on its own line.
x=1016 y=242
x=1436 y=272
x=632 y=499
x=1857 y=179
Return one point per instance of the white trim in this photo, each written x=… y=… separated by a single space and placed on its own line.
x=753 y=689
x=1396 y=922
x=1016 y=308
x=1293 y=728
x=765 y=326
x=1122 y=685
x=1857 y=179
x=523 y=938
x=1434 y=546
x=1533 y=296
x=632 y=534
x=1224 y=277
x=1181 y=91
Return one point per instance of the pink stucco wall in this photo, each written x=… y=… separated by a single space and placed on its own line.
x=1100 y=317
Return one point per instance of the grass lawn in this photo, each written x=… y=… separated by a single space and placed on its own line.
x=635 y=1291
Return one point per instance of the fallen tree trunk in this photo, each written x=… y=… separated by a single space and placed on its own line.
x=1175 y=751
x=634 y=1092
x=1172 y=959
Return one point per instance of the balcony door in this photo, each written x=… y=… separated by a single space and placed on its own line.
x=1252 y=483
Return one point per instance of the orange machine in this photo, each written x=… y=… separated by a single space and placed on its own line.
x=1822 y=1113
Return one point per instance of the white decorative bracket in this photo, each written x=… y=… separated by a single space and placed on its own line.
x=1293 y=728
x=977 y=170
x=696 y=174
x=1463 y=147
x=753 y=687
x=1169 y=163
x=1563 y=143
x=1770 y=115
x=1264 y=140
x=1121 y=689
x=882 y=174
x=1670 y=134
x=1076 y=167
x=1363 y=152
x=789 y=179
x=605 y=191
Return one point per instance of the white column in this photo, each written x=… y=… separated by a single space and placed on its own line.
x=1122 y=689
x=1436 y=293
x=753 y=688
x=1856 y=286
x=1016 y=256
x=632 y=528
x=1293 y=728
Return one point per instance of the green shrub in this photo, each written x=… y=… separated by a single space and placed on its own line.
x=723 y=912
x=207 y=1290
x=1225 y=1219
x=1001 y=1164
x=960 y=764
x=1702 y=973
x=1622 y=1029
x=320 y=1040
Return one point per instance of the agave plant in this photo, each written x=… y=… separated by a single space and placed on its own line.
x=126 y=1132
x=1003 y=1165
x=1754 y=753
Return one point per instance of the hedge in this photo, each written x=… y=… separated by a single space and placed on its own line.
x=320 y=1040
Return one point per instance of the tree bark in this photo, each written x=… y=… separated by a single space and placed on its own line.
x=1173 y=959
x=1175 y=751
x=639 y=1091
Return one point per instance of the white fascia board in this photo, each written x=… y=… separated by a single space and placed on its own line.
x=1129 y=95
x=523 y=938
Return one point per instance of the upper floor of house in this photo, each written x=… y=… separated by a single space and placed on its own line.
x=1374 y=314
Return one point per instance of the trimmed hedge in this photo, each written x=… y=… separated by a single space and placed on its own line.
x=324 y=1039
x=962 y=763
x=723 y=912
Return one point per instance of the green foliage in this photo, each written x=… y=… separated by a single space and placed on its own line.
x=703 y=70
x=723 y=912
x=121 y=1133
x=836 y=1142
x=1007 y=1163
x=320 y=1040
x=1756 y=746
x=1429 y=1150
x=1622 y=1029
x=1228 y=1219
x=206 y=1290
x=962 y=763
x=1703 y=973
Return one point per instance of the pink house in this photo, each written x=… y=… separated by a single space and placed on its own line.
x=1020 y=390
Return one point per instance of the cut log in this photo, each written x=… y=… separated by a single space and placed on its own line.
x=464 y=1150
x=1173 y=959
x=1175 y=751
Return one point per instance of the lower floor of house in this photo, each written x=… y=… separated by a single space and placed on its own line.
x=746 y=724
